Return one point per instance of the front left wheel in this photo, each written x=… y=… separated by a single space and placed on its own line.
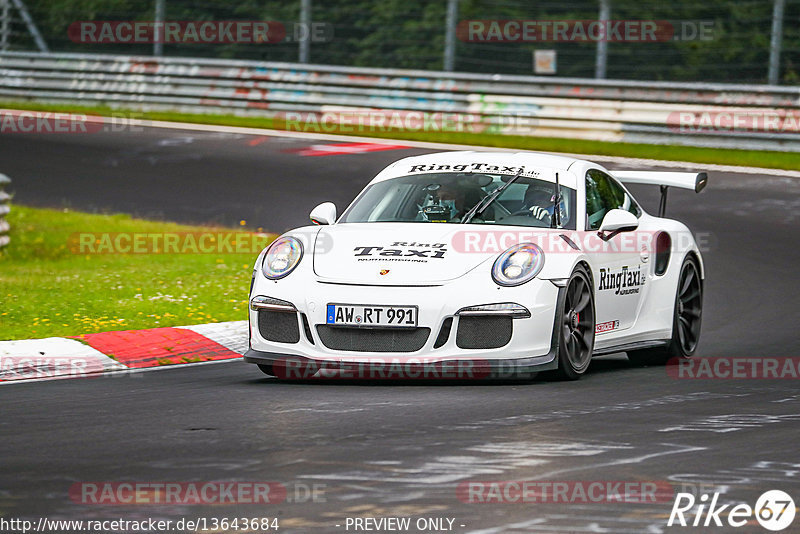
x=576 y=327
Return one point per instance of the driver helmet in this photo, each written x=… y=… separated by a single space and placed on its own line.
x=538 y=195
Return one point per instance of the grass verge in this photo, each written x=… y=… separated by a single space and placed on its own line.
x=51 y=286
x=749 y=158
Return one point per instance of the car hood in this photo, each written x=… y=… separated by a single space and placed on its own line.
x=393 y=253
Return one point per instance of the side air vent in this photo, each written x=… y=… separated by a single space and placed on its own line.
x=444 y=333
x=663 y=249
x=307 y=329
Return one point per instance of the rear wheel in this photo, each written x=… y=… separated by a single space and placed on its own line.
x=576 y=327
x=267 y=369
x=685 y=321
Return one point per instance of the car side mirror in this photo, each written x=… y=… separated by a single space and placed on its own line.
x=325 y=213
x=616 y=221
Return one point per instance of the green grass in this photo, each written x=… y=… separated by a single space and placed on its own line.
x=50 y=288
x=753 y=158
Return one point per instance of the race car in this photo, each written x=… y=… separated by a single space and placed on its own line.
x=514 y=263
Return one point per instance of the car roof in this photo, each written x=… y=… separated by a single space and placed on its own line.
x=545 y=164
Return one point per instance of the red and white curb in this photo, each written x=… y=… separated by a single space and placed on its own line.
x=347 y=148
x=91 y=355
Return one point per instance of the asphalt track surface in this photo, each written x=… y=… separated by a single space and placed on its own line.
x=379 y=449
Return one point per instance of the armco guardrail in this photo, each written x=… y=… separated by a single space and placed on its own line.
x=720 y=115
x=5 y=198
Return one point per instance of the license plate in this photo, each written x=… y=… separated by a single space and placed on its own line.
x=358 y=315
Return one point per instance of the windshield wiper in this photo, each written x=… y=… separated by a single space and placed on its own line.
x=555 y=221
x=481 y=206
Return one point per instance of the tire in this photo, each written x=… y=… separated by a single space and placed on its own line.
x=686 y=320
x=576 y=327
x=267 y=369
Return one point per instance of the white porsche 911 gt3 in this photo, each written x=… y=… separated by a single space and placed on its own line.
x=496 y=263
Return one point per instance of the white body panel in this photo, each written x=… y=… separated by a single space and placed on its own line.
x=343 y=263
x=695 y=181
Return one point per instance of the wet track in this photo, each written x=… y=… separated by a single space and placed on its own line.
x=402 y=449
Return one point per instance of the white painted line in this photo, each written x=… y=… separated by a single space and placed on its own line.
x=232 y=335
x=53 y=357
x=448 y=146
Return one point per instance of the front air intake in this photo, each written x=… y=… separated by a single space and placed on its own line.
x=278 y=326
x=373 y=339
x=483 y=331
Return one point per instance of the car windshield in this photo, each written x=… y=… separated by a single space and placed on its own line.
x=448 y=197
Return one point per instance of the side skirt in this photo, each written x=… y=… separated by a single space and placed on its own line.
x=632 y=346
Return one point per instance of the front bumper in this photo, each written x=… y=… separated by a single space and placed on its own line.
x=299 y=367
x=532 y=346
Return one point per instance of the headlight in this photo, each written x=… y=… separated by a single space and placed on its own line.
x=282 y=257
x=518 y=264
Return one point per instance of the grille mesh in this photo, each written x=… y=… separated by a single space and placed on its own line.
x=281 y=327
x=483 y=332
x=373 y=339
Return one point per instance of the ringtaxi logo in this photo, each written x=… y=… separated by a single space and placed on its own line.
x=774 y=510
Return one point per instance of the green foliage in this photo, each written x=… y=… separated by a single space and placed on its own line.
x=49 y=289
x=410 y=34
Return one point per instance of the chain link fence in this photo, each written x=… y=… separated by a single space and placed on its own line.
x=729 y=41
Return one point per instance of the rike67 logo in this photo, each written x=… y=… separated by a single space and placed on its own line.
x=774 y=510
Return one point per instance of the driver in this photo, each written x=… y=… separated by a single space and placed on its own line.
x=452 y=196
x=539 y=202
x=451 y=200
x=461 y=197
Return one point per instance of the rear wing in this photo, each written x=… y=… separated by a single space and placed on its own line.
x=696 y=181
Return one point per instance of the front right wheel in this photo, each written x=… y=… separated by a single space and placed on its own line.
x=686 y=318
